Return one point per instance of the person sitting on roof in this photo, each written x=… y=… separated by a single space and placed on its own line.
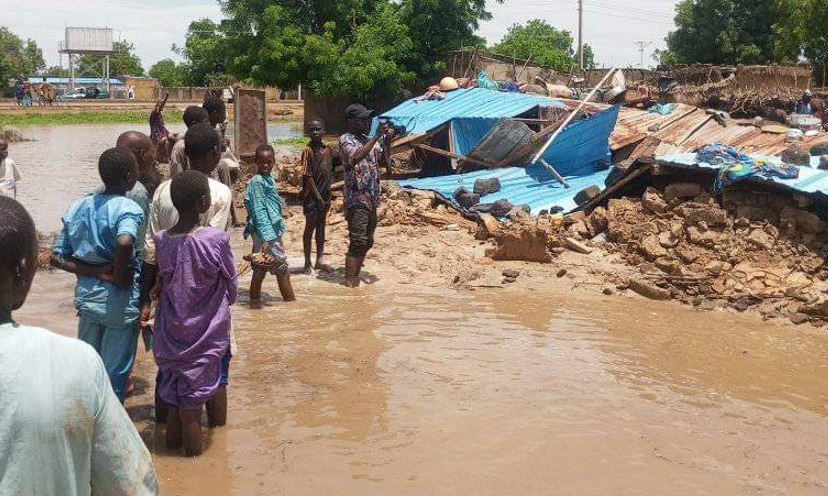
x=804 y=105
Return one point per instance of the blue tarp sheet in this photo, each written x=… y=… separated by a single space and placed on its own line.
x=810 y=181
x=475 y=103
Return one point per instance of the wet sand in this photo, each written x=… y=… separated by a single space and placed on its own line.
x=403 y=389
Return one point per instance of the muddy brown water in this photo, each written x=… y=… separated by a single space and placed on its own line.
x=404 y=390
x=62 y=163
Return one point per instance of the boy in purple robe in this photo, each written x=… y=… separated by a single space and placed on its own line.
x=198 y=283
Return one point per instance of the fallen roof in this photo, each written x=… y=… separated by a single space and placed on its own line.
x=422 y=116
x=811 y=181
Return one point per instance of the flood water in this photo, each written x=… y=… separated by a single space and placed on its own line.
x=405 y=390
x=62 y=164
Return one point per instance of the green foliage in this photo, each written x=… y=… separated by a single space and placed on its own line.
x=544 y=44
x=723 y=32
x=56 y=71
x=169 y=73
x=802 y=30
x=18 y=57
x=122 y=63
x=373 y=48
x=205 y=54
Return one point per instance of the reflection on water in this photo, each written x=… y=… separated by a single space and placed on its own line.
x=61 y=165
x=405 y=390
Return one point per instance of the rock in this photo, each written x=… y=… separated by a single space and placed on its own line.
x=668 y=239
x=686 y=255
x=511 y=273
x=694 y=213
x=798 y=318
x=488 y=186
x=804 y=220
x=587 y=194
x=489 y=224
x=796 y=155
x=653 y=201
x=561 y=273
x=823 y=162
x=682 y=190
x=509 y=280
x=574 y=217
x=760 y=239
x=667 y=265
x=608 y=291
x=648 y=290
x=577 y=246
x=651 y=248
x=714 y=268
x=819 y=309
x=597 y=222
x=819 y=148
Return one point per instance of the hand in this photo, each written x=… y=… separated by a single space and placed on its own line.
x=155 y=292
x=107 y=274
x=388 y=132
x=145 y=315
x=265 y=248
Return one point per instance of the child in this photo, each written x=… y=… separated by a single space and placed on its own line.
x=265 y=224
x=316 y=193
x=198 y=284
x=63 y=430
x=9 y=175
x=97 y=243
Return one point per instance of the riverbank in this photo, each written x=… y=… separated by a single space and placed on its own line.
x=84 y=117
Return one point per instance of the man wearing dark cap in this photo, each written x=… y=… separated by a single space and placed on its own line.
x=361 y=157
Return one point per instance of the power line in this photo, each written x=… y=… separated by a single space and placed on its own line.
x=641 y=46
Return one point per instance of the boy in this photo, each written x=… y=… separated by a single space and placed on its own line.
x=229 y=166
x=203 y=152
x=192 y=326
x=178 y=158
x=362 y=157
x=316 y=193
x=266 y=225
x=63 y=430
x=9 y=175
x=97 y=243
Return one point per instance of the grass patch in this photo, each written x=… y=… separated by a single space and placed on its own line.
x=92 y=117
x=295 y=141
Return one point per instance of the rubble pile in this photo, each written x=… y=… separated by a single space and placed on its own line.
x=759 y=250
x=413 y=208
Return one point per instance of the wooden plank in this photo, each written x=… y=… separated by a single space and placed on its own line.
x=444 y=153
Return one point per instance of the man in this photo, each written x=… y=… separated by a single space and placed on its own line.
x=203 y=149
x=144 y=150
x=361 y=157
x=62 y=429
x=178 y=159
x=228 y=168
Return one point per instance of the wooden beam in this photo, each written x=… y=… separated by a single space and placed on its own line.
x=457 y=156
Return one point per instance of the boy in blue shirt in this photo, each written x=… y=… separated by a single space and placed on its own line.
x=97 y=243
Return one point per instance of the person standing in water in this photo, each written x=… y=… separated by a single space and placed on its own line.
x=9 y=175
x=63 y=430
x=317 y=170
x=362 y=157
x=192 y=325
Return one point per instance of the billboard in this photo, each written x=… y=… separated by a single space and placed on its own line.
x=88 y=40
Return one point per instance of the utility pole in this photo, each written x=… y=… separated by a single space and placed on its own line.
x=581 y=34
x=641 y=46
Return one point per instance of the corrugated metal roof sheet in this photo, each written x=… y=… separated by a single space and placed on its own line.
x=423 y=116
x=533 y=186
x=811 y=180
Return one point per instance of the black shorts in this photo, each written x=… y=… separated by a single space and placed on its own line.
x=311 y=209
x=362 y=222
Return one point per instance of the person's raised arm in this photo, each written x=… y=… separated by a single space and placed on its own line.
x=163 y=102
x=120 y=462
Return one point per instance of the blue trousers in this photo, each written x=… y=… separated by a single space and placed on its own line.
x=117 y=348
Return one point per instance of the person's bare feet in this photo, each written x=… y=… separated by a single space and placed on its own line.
x=322 y=266
x=307 y=270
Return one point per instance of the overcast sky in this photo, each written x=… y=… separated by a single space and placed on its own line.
x=611 y=26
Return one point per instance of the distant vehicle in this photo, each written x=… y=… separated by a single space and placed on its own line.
x=97 y=93
x=77 y=94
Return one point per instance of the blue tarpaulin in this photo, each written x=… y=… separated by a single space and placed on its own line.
x=476 y=103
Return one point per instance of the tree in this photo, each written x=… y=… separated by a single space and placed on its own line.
x=372 y=48
x=18 y=58
x=122 y=63
x=205 y=54
x=56 y=71
x=545 y=45
x=723 y=32
x=169 y=73
x=802 y=30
